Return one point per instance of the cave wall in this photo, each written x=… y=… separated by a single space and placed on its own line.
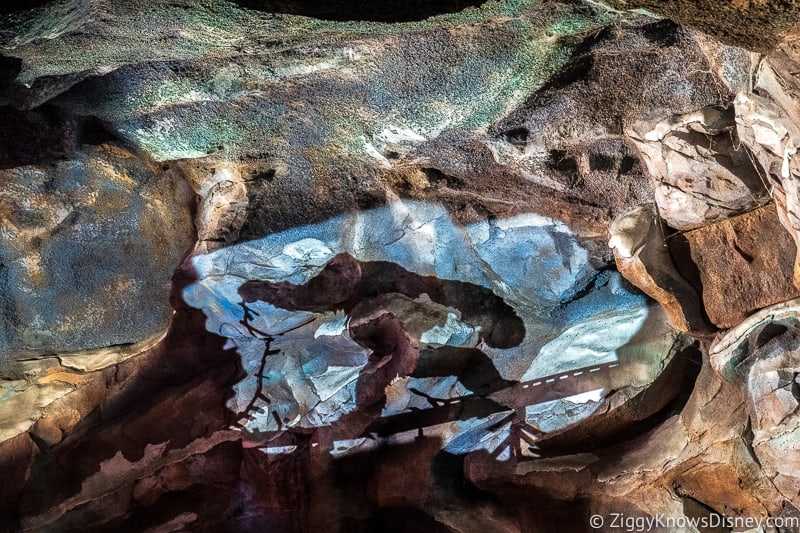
x=421 y=266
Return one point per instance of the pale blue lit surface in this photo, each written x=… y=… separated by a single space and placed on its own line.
x=534 y=263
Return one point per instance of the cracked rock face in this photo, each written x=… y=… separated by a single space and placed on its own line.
x=701 y=169
x=397 y=266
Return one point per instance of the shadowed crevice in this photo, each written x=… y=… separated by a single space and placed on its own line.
x=362 y=10
x=14 y=6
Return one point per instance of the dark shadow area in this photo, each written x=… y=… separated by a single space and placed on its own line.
x=216 y=474
x=379 y=500
x=32 y=137
x=93 y=131
x=16 y=454
x=769 y=332
x=274 y=492
x=663 y=33
x=473 y=368
x=448 y=411
x=529 y=504
x=172 y=396
x=10 y=67
x=681 y=252
x=437 y=178
x=14 y=6
x=394 y=354
x=342 y=500
x=577 y=70
x=362 y=10
x=46 y=134
x=346 y=281
x=401 y=520
x=697 y=510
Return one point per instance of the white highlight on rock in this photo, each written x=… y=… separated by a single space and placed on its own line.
x=399 y=135
x=665 y=127
x=333 y=328
x=454 y=332
x=629 y=231
x=220 y=176
x=348 y=446
x=279 y=450
x=564 y=412
x=373 y=152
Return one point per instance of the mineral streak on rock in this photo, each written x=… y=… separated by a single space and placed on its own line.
x=282 y=265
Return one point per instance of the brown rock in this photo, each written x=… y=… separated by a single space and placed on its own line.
x=16 y=456
x=745 y=263
x=756 y=25
x=642 y=256
x=767 y=124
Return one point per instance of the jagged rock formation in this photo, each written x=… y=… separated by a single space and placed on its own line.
x=457 y=266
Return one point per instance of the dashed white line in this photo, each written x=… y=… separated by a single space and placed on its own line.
x=567 y=376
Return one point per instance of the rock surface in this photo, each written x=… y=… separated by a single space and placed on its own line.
x=702 y=172
x=398 y=266
x=745 y=263
x=88 y=246
x=644 y=257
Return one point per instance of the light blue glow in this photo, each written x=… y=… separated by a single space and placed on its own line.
x=534 y=263
x=593 y=328
x=557 y=414
x=533 y=255
x=454 y=332
x=311 y=381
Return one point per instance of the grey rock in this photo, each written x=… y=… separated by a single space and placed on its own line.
x=88 y=246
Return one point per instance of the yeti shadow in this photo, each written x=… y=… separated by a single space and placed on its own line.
x=361 y=288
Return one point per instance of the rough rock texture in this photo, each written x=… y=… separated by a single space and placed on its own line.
x=398 y=266
x=643 y=256
x=745 y=263
x=88 y=245
x=703 y=173
x=756 y=25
